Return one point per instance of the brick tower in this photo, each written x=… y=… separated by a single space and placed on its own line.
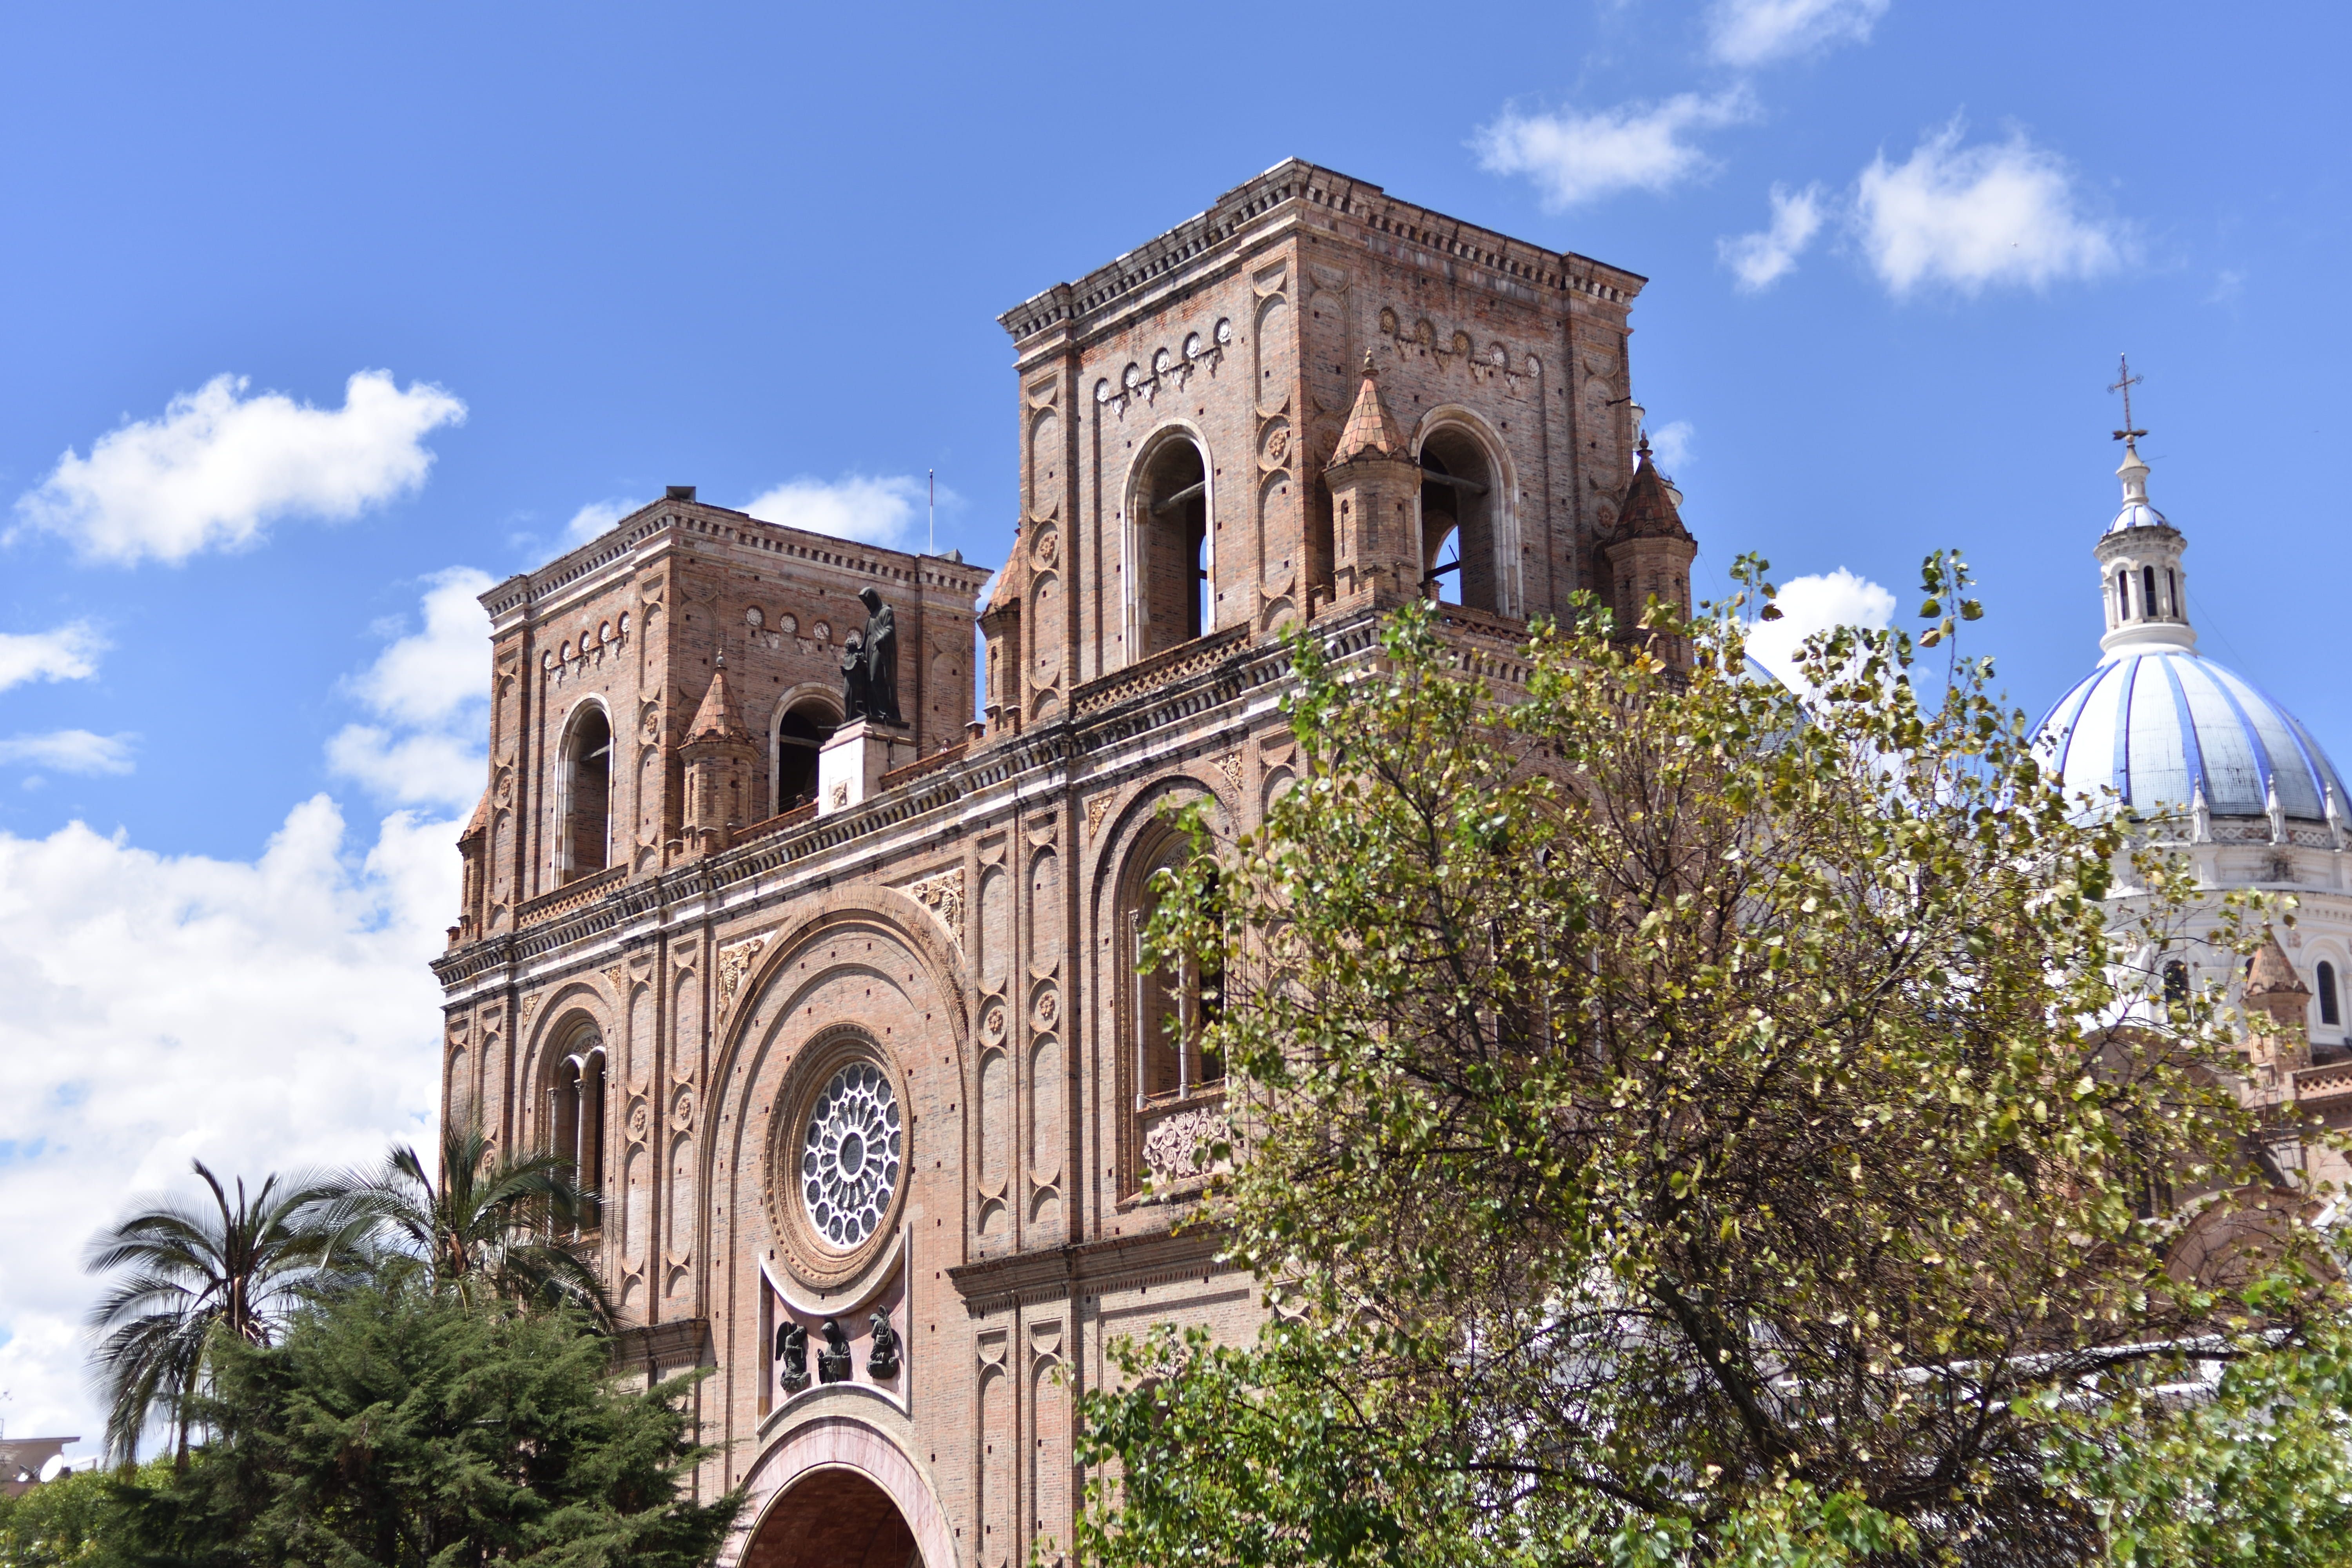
x=844 y=1019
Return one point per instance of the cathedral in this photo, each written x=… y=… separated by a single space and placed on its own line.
x=2218 y=775
x=831 y=988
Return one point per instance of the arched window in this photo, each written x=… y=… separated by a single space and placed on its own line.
x=805 y=726
x=2147 y=591
x=2329 y=1012
x=2122 y=595
x=587 y=797
x=2171 y=594
x=1457 y=519
x=575 y=1108
x=2176 y=981
x=1173 y=591
x=1172 y=1003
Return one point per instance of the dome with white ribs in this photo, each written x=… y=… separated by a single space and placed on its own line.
x=2166 y=729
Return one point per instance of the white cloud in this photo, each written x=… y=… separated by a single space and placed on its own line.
x=69 y=653
x=1671 y=445
x=262 y=1014
x=426 y=678
x=1997 y=212
x=218 y=467
x=71 y=751
x=411 y=769
x=1575 y=158
x=431 y=691
x=1749 y=33
x=1760 y=259
x=596 y=517
x=1815 y=603
x=885 y=509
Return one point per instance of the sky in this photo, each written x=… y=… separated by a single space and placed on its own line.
x=316 y=321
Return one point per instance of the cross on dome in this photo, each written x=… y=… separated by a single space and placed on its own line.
x=2123 y=384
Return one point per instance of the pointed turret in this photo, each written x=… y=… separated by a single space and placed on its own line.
x=2277 y=1005
x=474 y=853
x=1374 y=483
x=1651 y=510
x=1648 y=554
x=999 y=626
x=717 y=719
x=719 y=754
x=1371 y=427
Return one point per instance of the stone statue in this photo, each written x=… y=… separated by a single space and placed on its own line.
x=833 y=1362
x=791 y=1356
x=881 y=660
x=883 y=1361
x=853 y=678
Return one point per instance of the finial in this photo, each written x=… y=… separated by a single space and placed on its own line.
x=719 y=659
x=1369 y=369
x=2124 y=382
x=1643 y=446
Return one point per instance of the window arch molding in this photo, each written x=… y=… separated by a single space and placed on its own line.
x=808 y=698
x=1139 y=842
x=1451 y=424
x=580 y=828
x=2327 y=991
x=1136 y=534
x=572 y=1096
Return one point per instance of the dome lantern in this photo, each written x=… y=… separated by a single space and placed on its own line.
x=2141 y=580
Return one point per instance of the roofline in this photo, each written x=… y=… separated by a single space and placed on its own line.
x=1254 y=202
x=659 y=517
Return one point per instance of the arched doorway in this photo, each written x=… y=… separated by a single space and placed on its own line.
x=834 y=1519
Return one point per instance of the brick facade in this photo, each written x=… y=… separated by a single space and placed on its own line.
x=678 y=986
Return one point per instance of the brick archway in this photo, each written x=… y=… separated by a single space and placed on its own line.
x=837 y=1493
x=834 y=1519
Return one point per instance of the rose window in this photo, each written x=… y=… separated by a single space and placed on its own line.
x=849 y=1155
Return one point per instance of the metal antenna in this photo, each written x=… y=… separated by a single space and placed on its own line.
x=2125 y=381
x=931 y=528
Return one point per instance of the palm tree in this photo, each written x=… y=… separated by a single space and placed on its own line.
x=240 y=1270
x=509 y=1228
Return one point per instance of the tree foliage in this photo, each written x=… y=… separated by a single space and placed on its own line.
x=1684 y=1123
x=497 y=1226
x=73 y=1522
x=191 y=1274
x=404 y=1429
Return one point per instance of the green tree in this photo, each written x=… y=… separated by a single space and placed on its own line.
x=509 y=1227
x=192 y=1273
x=400 y=1427
x=1685 y=1124
x=73 y=1522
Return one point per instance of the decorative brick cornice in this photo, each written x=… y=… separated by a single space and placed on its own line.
x=1399 y=228
x=647 y=1349
x=677 y=521
x=1116 y=1263
x=1169 y=690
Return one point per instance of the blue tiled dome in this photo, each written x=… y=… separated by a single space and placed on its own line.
x=2155 y=725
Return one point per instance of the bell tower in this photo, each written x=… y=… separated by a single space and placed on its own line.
x=1310 y=398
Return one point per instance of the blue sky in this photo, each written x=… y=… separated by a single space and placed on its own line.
x=574 y=254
